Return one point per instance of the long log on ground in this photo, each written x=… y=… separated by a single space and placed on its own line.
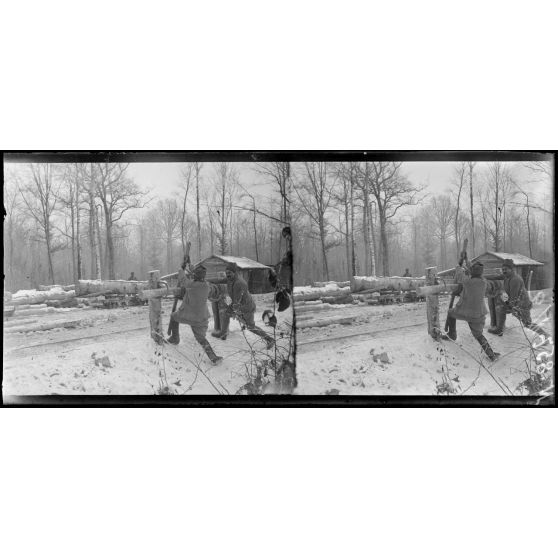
x=316 y=294
x=314 y=308
x=35 y=311
x=344 y=299
x=43 y=327
x=371 y=284
x=339 y=284
x=63 y=287
x=323 y=322
x=435 y=289
x=114 y=286
x=38 y=297
x=21 y=307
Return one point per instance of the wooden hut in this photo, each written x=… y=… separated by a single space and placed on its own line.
x=254 y=273
x=492 y=262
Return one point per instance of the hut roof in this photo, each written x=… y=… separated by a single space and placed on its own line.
x=518 y=259
x=241 y=262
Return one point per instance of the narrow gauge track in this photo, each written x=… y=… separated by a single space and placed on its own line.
x=350 y=335
x=75 y=339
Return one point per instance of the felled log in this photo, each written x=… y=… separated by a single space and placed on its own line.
x=317 y=294
x=323 y=322
x=42 y=327
x=50 y=287
x=371 y=284
x=430 y=290
x=344 y=299
x=39 y=297
x=29 y=306
x=148 y=294
x=109 y=286
x=339 y=284
x=9 y=311
x=35 y=311
x=312 y=308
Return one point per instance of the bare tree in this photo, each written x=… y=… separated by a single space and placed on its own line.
x=12 y=201
x=392 y=191
x=186 y=174
x=443 y=213
x=169 y=219
x=471 y=165
x=345 y=197
x=280 y=173
x=498 y=187
x=225 y=186
x=458 y=181
x=197 y=171
x=117 y=194
x=40 y=197
x=316 y=196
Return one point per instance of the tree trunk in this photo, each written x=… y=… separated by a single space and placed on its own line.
x=471 y=166
x=384 y=240
x=93 y=225
x=49 y=253
x=110 y=250
x=255 y=229
x=198 y=210
x=353 y=261
x=324 y=253
x=78 y=241
x=371 y=236
x=365 y=235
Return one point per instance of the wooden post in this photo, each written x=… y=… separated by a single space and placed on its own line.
x=432 y=305
x=155 y=308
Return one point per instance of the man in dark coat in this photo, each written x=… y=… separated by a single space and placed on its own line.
x=242 y=306
x=518 y=302
x=193 y=311
x=472 y=308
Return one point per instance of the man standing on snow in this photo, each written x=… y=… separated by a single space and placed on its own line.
x=472 y=308
x=518 y=302
x=194 y=312
x=242 y=305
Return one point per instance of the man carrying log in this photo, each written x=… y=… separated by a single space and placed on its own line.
x=515 y=300
x=194 y=312
x=242 y=306
x=471 y=307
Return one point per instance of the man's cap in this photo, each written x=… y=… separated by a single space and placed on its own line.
x=231 y=266
x=508 y=263
x=199 y=269
x=477 y=264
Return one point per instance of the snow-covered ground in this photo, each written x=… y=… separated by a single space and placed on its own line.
x=72 y=361
x=388 y=351
x=385 y=351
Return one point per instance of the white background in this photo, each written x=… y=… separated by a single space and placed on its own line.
x=290 y=75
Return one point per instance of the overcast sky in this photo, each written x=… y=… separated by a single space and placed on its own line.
x=163 y=178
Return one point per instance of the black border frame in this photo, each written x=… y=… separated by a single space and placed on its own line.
x=162 y=156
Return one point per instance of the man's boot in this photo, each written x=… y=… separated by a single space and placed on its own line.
x=498 y=329
x=452 y=328
x=487 y=348
x=174 y=339
x=224 y=319
x=211 y=354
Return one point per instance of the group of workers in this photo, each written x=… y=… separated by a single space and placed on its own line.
x=506 y=297
x=232 y=300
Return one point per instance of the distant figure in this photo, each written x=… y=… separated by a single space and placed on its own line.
x=406 y=274
x=132 y=277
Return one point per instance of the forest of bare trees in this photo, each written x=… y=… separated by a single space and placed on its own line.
x=71 y=221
